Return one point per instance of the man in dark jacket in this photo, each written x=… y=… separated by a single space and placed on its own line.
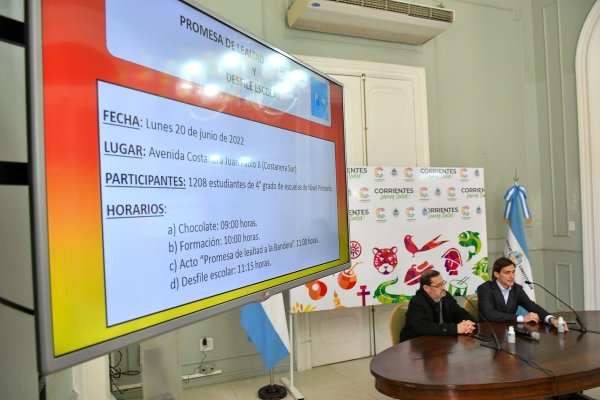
x=433 y=312
x=499 y=299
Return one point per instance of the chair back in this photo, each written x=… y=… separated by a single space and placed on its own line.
x=471 y=306
x=397 y=321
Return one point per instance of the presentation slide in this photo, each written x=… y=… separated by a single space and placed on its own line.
x=177 y=182
x=226 y=61
x=182 y=168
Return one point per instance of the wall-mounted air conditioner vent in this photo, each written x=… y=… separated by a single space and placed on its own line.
x=389 y=20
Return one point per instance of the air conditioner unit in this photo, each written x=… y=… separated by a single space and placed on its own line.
x=389 y=20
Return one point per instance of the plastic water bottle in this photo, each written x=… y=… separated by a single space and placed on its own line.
x=561 y=325
x=511 y=334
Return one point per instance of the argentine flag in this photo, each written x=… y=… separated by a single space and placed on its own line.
x=515 y=247
x=266 y=326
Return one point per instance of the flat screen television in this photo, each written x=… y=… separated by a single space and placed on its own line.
x=181 y=167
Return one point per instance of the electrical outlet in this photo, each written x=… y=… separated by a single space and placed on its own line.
x=207 y=368
x=206 y=344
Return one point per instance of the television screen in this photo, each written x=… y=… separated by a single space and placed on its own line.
x=182 y=167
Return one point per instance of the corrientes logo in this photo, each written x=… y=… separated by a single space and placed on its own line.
x=363 y=194
x=410 y=214
x=380 y=214
x=437 y=173
x=358 y=214
x=393 y=193
x=465 y=211
x=440 y=212
x=451 y=193
x=356 y=172
x=473 y=192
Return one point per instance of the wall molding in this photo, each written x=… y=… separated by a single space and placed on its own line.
x=556 y=117
x=558 y=268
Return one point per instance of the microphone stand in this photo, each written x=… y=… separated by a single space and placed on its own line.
x=496 y=345
x=582 y=327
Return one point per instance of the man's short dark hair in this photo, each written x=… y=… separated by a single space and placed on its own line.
x=426 y=276
x=499 y=264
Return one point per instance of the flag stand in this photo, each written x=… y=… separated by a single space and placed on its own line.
x=272 y=391
x=289 y=383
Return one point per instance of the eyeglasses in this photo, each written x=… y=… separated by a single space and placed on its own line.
x=439 y=285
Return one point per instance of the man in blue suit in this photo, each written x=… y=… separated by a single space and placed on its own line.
x=499 y=299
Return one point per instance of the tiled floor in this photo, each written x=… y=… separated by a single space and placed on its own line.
x=350 y=380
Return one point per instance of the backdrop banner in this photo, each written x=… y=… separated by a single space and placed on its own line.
x=404 y=221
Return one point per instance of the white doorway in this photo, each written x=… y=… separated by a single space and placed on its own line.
x=587 y=65
x=385 y=110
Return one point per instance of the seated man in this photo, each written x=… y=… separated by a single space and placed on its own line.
x=432 y=311
x=499 y=299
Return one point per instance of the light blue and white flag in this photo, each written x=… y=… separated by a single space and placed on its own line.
x=266 y=326
x=515 y=247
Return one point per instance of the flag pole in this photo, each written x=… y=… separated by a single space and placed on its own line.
x=289 y=383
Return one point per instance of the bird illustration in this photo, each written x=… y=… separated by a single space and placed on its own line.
x=413 y=249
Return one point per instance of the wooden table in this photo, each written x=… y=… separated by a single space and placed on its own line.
x=459 y=367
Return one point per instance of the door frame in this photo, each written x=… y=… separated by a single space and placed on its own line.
x=416 y=75
x=587 y=62
x=375 y=70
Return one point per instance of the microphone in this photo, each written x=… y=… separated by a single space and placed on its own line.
x=530 y=335
x=497 y=345
x=582 y=327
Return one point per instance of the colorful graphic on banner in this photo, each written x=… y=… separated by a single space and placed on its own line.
x=403 y=222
